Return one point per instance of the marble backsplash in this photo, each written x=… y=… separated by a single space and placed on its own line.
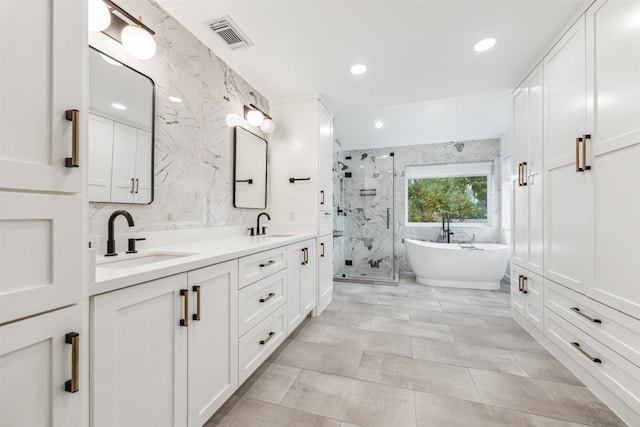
x=193 y=145
x=367 y=223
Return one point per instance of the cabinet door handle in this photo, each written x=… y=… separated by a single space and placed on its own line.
x=185 y=320
x=132 y=186
x=524 y=285
x=591 y=319
x=322 y=193
x=271 y=295
x=584 y=152
x=74 y=117
x=196 y=315
x=519 y=174
x=322 y=254
x=271 y=335
x=271 y=262
x=306 y=256
x=578 y=168
x=520 y=283
x=137 y=185
x=524 y=173
x=71 y=385
x=581 y=350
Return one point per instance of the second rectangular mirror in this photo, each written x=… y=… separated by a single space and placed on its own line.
x=250 y=170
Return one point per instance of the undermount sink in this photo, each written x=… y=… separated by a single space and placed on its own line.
x=129 y=261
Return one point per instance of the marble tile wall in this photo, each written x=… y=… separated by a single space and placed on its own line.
x=193 y=145
x=338 y=217
x=366 y=226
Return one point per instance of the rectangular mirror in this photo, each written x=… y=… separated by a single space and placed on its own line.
x=121 y=118
x=250 y=170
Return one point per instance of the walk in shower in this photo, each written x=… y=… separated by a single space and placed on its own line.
x=363 y=225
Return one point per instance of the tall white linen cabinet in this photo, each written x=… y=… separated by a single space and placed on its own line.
x=43 y=352
x=576 y=146
x=301 y=164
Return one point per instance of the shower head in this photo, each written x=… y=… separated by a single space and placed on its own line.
x=344 y=167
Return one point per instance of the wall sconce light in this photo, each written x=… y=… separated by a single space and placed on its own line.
x=124 y=28
x=257 y=117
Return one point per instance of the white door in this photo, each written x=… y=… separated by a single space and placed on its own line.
x=308 y=278
x=325 y=273
x=41 y=77
x=325 y=157
x=41 y=252
x=213 y=339
x=139 y=355
x=100 y=158
x=613 y=69
x=35 y=364
x=295 y=263
x=125 y=140
x=568 y=213
x=143 y=175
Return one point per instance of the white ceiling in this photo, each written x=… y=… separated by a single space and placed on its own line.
x=415 y=51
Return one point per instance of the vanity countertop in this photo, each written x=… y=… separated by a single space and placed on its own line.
x=205 y=253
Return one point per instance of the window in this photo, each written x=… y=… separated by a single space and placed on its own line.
x=460 y=190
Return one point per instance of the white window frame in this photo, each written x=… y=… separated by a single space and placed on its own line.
x=447 y=170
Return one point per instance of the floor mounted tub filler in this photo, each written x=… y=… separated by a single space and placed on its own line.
x=458 y=265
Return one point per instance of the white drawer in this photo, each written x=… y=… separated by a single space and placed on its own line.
x=260 y=299
x=257 y=266
x=325 y=222
x=616 y=330
x=258 y=344
x=612 y=370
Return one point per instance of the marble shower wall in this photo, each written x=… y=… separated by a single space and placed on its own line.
x=338 y=218
x=451 y=152
x=193 y=145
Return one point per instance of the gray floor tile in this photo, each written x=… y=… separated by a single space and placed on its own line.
x=419 y=375
x=362 y=299
x=466 y=320
x=377 y=310
x=552 y=399
x=378 y=342
x=269 y=383
x=424 y=304
x=545 y=367
x=310 y=331
x=334 y=305
x=413 y=328
x=440 y=411
x=471 y=356
x=345 y=320
x=247 y=412
x=480 y=310
x=483 y=336
x=354 y=401
x=320 y=357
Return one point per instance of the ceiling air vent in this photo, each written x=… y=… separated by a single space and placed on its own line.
x=229 y=32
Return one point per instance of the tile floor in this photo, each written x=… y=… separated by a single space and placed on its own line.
x=413 y=355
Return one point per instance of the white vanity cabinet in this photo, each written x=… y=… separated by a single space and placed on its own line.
x=301 y=283
x=164 y=353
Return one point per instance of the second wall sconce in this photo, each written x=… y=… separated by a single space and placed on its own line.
x=120 y=25
x=255 y=116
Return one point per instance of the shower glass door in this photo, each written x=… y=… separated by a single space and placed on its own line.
x=364 y=226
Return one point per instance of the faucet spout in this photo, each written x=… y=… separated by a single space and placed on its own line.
x=258 y=223
x=111 y=242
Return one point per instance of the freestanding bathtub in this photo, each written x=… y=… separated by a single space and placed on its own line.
x=453 y=265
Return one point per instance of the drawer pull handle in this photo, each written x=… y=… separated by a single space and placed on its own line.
x=591 y=319
x=73 y=338
x=271 y=335
x=593 y=359
x=584 y=152
x=185 y=320
x=524 y=173
x=578 y=168
x=271 y=295
x=267 y=264
x=196 y=315
x=74 y=117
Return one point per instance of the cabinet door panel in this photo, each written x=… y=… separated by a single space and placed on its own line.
x=40 y=253
x=35 y=363
x=517 y=297
x=35 y=137
x=308 y=279
x=325 y=157
x=139 y=355
x=100 y=158
x=534 y=171
x=213 y=340
x=294 y=300
x=519 y=224
x=325 y=273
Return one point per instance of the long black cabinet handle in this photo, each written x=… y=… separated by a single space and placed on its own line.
x=581 y=350
x=591 y=319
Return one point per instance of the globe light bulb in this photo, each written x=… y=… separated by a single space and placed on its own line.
x=138 y=42
x=268 y=126
x=255 y=117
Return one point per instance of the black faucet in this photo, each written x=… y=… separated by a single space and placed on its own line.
x=446 y=232
x=264 y=229
x=111 y=242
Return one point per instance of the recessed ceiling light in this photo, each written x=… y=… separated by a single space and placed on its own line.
x=484 y=45
x=358 y=69
x=118 y=106
x=378 y=124
x=175 y=99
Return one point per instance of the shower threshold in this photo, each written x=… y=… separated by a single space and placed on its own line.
x=366 y=276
